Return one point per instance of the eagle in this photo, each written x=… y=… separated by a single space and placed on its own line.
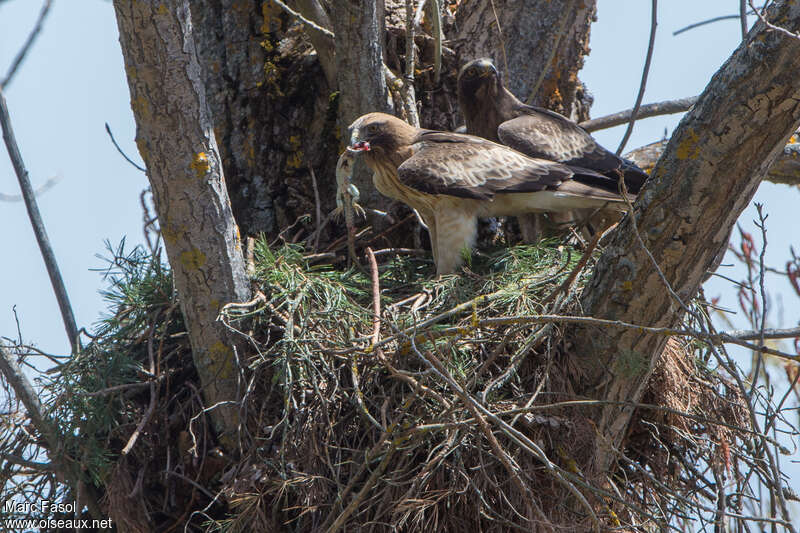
x=491 y=111
x=451 y=179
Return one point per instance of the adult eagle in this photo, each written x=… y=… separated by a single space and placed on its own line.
x=491 y=111
x=451 y=179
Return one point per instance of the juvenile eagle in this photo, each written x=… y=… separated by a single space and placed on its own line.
x=491 y=111
x=451 y=179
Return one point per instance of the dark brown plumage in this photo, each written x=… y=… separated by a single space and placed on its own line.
x=491 y=111
x=451 y=179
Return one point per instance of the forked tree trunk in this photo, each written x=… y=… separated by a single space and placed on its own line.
x=176 y=140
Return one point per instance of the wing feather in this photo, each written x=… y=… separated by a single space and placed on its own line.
x=470 y=167
x=543 y=133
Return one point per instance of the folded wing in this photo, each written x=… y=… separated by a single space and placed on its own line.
x=542 y=133
x=471 y=167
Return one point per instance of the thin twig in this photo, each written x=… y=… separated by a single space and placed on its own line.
x=317 y=209
x=376 y=300
x=762 y=323
x=128 y=159
x=564 y=287
x=368 y=484
x=40 y=190
x=359 y=396
x=38 y=226
x=655 y=109
x=410 y=96
x=520 y=439
x=704 y=22
x=26 y=394
x=437 y=40
x=771 y=26
x=152 y=405
x=743 y=18
x=712 y=338
x=304 y=20
x=645 y=73
x=754 y=334
x=28 y=44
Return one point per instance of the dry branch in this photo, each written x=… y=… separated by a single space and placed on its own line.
x=38 y=226
x=20 y=57
x=645 y=73
x=667 y=107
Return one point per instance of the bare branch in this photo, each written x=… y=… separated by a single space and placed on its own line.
x=28 y=44
x=743 y=18
x=40 y=190
x=704 y=22
x=26 y=394
x=749 y=334
x=304 y=20
x=779 y=29
x=38 y=226
x=437 y=31
x=410 y=93
x=655 y=109
x=645 y=73
x=128 y=159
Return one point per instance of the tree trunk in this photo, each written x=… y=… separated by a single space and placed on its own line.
x=705 y=178
x=359 y=28
x=538 y=44
x=176 y=140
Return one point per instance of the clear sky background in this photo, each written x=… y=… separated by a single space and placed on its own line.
x=73 y=82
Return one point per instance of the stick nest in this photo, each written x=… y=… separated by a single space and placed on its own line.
x=457 y=415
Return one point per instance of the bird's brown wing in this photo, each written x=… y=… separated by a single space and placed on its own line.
x=549 y=135
x=538 y=132
x=471 y=167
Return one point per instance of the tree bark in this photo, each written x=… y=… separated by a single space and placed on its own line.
x=176 y=140
x=360 y=28
x=705 y=178
x=785 y=170
x=538 y=44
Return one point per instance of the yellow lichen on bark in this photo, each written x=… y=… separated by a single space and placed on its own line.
x=221 y=361
x=200 y=164
x=193 y=259
x=688 y=148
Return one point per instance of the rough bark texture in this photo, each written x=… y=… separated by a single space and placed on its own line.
x=538 y=44
x=359 y=30
x=785 y=170
x=176 y=140
x=705 y=178
x=273 y=111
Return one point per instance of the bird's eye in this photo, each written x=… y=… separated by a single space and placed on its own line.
x=472 y=71
x=372 y=129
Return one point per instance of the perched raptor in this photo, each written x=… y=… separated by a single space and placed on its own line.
x=451 y=179
x=492 y=112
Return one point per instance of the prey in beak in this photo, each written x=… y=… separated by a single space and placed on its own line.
x=359 y=146
x=358 y=142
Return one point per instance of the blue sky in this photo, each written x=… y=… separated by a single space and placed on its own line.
x=73 y=82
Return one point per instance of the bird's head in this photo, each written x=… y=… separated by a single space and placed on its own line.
x=479 y=78
x=379 y=133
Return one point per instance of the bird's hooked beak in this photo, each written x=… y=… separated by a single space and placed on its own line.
x=486 y=68
x=356 y=143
